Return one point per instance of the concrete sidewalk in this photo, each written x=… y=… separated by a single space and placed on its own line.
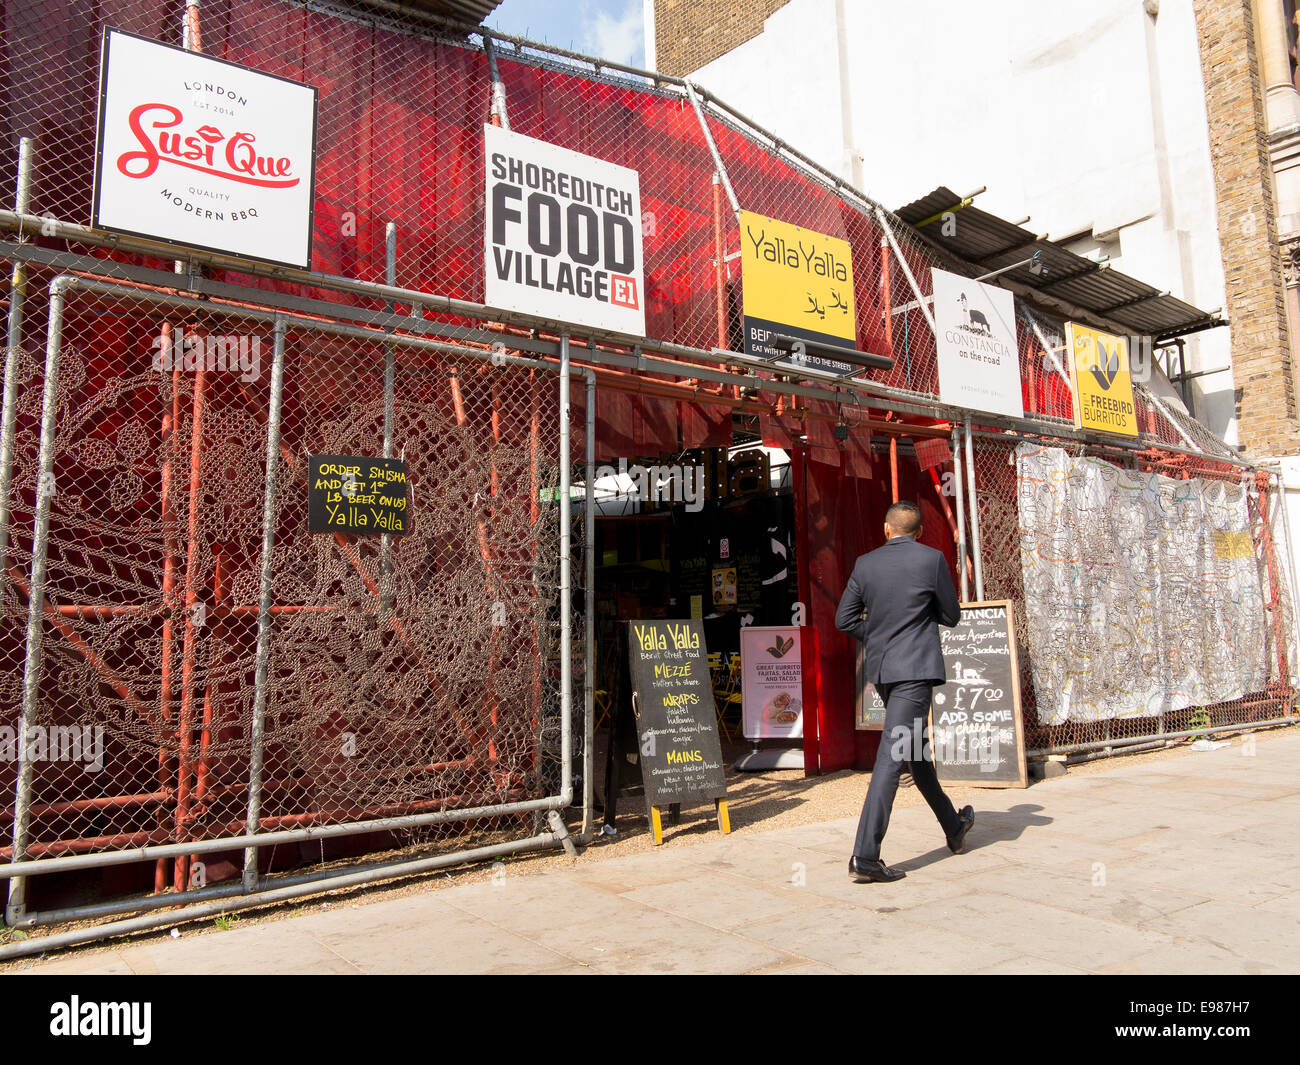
x=1185 y=864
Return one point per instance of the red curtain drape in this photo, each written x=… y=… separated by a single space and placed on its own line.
x=838 y=518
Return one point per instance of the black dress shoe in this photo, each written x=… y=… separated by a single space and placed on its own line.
x=967 y=817
x=873 y=871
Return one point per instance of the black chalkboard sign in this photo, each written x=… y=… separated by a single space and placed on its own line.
x=677 y=724
x=976 y=732
x=357 y=495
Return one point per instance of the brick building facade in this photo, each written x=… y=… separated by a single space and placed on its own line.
x=691 y=33
x=1262 y=351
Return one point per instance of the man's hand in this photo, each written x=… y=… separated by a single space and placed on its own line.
x=849 y=617
x=945 y=595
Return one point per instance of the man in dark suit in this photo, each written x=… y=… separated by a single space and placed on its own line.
x=906 y=592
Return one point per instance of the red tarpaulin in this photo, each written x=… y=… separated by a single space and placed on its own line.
x=838 y=518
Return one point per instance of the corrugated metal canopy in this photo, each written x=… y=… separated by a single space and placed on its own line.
x=471 y=12
x=992 y=243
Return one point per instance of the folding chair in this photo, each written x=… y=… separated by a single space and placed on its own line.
x=727 y=698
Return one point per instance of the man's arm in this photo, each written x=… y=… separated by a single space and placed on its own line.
x=848 y=618
x=945 y=594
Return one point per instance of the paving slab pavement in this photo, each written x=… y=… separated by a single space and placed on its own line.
x=1184 y=865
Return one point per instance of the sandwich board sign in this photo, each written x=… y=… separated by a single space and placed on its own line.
x=676 y=718
x=976 y=731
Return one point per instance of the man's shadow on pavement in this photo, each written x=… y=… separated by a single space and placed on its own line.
x=991 y=828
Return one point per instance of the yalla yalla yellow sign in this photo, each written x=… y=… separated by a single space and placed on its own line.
x=796 y=281
x=1103 y=386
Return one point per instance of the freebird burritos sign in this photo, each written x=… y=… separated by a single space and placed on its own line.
x=562 y=235
x=197 y=151
x=1103 y=384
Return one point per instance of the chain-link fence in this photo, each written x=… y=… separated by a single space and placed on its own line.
x=200 y=661
x=306 y=683
x=1150 y=593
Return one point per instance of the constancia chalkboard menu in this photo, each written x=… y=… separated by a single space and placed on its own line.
x=976 y=732
x=975 y=728
x=677 y=725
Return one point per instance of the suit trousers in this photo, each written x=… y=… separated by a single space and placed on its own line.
x=905 y=739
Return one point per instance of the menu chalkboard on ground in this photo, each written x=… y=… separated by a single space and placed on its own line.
x=976 y=732
x=871 y=710
x=357 y=495
x=677 y=724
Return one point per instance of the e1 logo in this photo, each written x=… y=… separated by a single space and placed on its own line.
x=622 y=291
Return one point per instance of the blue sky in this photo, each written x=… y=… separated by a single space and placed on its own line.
x=611 y=29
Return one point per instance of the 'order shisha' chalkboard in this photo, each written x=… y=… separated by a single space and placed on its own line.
x=357 y=495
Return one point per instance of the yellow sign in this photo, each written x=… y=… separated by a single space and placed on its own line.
x=724 y=586
x=796 y=281
x=1233 y=545
x=1103 y=387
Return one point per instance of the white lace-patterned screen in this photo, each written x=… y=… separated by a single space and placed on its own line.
x=1143 y=594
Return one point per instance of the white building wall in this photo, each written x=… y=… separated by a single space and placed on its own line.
x=1088 y=116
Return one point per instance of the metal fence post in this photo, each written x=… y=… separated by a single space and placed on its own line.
x=17 y=293
x=36 y=590
x=973 y=494
x=566 y=607
x=498 y=87
x=718 y=165
x=1290 y=569
x=589 y=606
x=1047 y=348
x=258 y=732
x=907 y=271
x=961 y=512
x=390 y=416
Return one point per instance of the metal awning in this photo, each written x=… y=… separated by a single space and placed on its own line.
x=992 y=243
x=470 y=12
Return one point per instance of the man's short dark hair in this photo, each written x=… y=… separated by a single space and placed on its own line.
x=904 y=518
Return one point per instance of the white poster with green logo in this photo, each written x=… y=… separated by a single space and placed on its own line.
x=771 y=679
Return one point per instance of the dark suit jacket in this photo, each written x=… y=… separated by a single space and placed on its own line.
x=907 y=593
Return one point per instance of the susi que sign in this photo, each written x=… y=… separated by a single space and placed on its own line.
x=562 y=234
x=201 y=152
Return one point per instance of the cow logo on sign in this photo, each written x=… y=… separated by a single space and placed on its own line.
x=976 y=321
